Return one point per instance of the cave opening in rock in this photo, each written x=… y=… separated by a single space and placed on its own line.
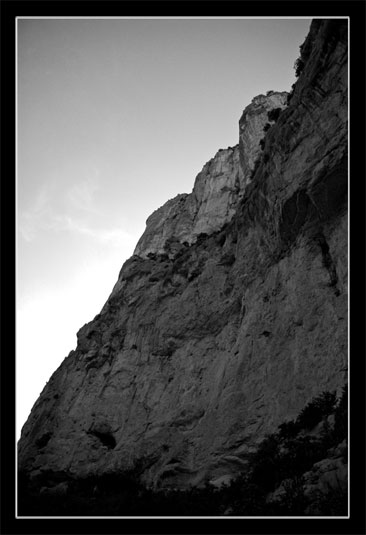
x=43 y=440
x=107 y=439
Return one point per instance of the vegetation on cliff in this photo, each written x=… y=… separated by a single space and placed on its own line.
x=280 y=462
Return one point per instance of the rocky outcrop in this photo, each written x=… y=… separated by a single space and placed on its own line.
x=218 y=188
x=218 y=328
x=253 y=124
x=330 y=473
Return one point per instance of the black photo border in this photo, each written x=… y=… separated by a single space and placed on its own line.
x=355 y=10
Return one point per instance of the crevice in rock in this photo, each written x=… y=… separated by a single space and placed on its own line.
x=329 y=192
x=43 y=440
x=328 y=262
x=227 y=259
x=266 y=333
x=293 y=216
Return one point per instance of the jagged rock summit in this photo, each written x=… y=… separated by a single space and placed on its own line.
x=231 y=315
x=218 y=188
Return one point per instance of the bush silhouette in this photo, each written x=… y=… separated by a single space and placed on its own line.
x=299 y=66
x=288 y=430
x=280 y=459
x=341 y=417
x=314 y=411
x=274 y=114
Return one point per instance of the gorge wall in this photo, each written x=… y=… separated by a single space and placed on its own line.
x=231 y=314
x=218 y=188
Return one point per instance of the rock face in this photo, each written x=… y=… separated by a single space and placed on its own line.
x=218 y=188
x=252 y=126
x=232 y=313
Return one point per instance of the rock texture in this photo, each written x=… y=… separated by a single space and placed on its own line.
x=208 y=342
x=330 y=473
x=218 y=188
x=252 y=126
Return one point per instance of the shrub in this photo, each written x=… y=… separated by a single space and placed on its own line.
x=288 y=430
x=314 y=411
x=299 y=455
x=293 y=501
x=274 y=114
x=265 y=463
x=280 y=459
x=333 y=503
x=341 y=417
x=299 y=66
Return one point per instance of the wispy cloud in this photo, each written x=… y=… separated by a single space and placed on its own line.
x=42 y=216
x=32 y=219
x=31 y=224
x=82 y=194
x=113 y=236
x=76 y=210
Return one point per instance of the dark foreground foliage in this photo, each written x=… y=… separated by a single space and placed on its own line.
x=281 y=459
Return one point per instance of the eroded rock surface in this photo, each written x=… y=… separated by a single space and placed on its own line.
x=206 y=344
x=218 y=188
x=252 y=127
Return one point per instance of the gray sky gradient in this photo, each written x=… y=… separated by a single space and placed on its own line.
x=114 y=118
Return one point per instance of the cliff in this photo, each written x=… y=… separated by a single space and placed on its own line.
x=232 y=313
x=218 y=188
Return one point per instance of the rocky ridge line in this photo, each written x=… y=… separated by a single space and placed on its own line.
x=218 y=188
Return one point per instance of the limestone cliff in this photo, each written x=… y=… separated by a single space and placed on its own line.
x=218 y=188
x=232 y=313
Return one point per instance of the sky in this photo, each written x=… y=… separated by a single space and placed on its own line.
x=115 y=117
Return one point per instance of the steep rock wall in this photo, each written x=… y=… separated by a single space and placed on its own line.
x=202 y=350
x=218 y=188
x=252 y=126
